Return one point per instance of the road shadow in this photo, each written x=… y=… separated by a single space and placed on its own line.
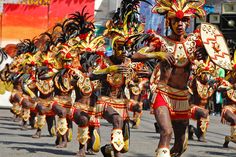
x=143 y=131
x=27 y=143
x=205 y=146
x=22 y=135
x=216 y=133
x=46 y=150
x=6 y=118
x=221 y=154
x=106 y=124
x=10 y=128
x=10 y=123
x=139 y=154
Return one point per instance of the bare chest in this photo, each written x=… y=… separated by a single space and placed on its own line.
x=183 y=51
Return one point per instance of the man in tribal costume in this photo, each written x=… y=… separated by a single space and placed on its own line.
x=122 y=84
x=45 y=86
x=176 y=53
x=30 y=90
x=227 y=86
x=86 y=110
x=15 y=78
x=201 y=90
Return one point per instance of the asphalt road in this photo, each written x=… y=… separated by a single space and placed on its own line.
x=17 y=143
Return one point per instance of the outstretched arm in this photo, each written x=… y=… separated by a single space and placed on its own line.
x=111 y=69
x=26 y=89
x=145 y=53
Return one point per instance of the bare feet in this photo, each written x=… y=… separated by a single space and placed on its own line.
x=90 y=152
x=37 y=134
x=227 y=140
x=81 y=153
x=16 y=119
x=106 y=150
x=24 y=127
x=62 y=145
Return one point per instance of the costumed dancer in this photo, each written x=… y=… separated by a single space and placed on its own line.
x=45 y=86
x=15 y=72
x=83 y=112
x=206 y=81
x=120 y=73
x=16 y=94
x=228 y=116
x=5 y=83
x=30 y=91
x=201 y=91
x=62 y=99
x=175 y=52
x=86 y=112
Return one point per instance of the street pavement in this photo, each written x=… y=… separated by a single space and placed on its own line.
x=17 y=143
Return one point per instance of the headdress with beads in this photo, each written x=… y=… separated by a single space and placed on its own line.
x=201 y=67
x=32 y=59
x=180 y=8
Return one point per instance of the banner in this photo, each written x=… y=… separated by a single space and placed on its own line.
x=60 y=9
x=23 y=21
x=35 y=2
x=152 y=21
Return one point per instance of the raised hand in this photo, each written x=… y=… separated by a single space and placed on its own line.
x=169 y=58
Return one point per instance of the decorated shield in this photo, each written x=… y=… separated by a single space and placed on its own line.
x=215 y=45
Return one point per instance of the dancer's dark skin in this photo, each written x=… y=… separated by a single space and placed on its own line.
x=82 y=118
x=16 y=97
x=43 y=109
x=229 y=115
x=200 y=112
x=61 y=112
x=116 y=92
x=29 y=102
x=171 y=75
x=195 y=99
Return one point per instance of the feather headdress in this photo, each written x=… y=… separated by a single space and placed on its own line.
x=124 y=24
x=180 y=8
x=201 y=67
x=91 y=44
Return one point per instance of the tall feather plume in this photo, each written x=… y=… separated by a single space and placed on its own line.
x=125 y=22
x=188 y=7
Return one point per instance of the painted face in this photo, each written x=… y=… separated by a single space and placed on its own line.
x=67 y=63
x=119 y=52
x=205 y=77
x=179 y=26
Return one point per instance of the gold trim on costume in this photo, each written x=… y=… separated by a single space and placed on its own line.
x=177 y=99
x=117 y=139
x=115 y=79
x=45 y=86
x=66 y=82
x=62 y=126
x=232 y=95
x=204 y=91
x=83 y=135
x=120 y=105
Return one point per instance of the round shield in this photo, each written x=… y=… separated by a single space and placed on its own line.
x=215 y=45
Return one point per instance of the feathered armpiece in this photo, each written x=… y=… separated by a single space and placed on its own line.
x=25 y=83
x=151 y=54
x=107 y=70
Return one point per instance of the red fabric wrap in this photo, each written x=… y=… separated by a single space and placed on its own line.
x=159 y=101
